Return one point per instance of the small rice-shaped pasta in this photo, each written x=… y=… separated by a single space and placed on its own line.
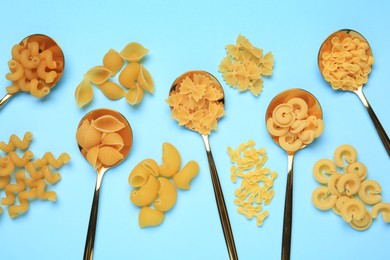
x=145 y=80
x=149 y=217
x=113 y=139
x=134 y=52
x=112 y=90
x=84 y=93
x=128 y=76
x=109 y=156
x=98 y=74
x=134 y=96
x=107 y=124
x=113 y=61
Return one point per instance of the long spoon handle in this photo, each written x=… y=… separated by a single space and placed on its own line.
x=90 y=241
x=379 y=128
x=223 y=214
x=288 y=205
x=5 y=99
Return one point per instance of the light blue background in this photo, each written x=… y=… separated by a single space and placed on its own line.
x=182 y=36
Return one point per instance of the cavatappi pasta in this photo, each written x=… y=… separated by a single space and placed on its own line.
x=294 y=123
x=196 y=103
x=100 y=140
x=346 y=62
x=345 y=189
x=256 y=188
x=153 y=188
x=245 y=65
x=133 y=77
x=32 y=176
x=33 y=68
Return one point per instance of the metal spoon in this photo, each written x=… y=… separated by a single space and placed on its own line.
x=45 y=42
x=223 y=214
x=326 y=46
x=314 y=109
x=127 y=135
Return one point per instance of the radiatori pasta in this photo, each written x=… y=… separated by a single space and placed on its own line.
x=32 y=176
x=345 y=189
x=153 y=189
x=133 y=77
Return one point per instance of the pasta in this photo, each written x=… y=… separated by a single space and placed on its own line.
x=133 y=79
x=348 y=193
x=257 y=181
x=245 y=65
x=32 y=176
x=346 y=62
x=153 y=189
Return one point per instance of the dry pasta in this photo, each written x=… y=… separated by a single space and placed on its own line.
x=184 y=177
x=256 y=188
x=149 y=217
x=167 y=195
x=348 y=193
x=171 y=160
x=112 y=90
x=32 y=176
x=113 y=61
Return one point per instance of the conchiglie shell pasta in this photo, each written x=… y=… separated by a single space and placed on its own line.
x=171 y=160
x=145 y=80
x=147 y=193
x=113 y=61
x=167 y=195
x=150 y=217
x=81 y=132
x=109 y=156
x=98 y=74
x=92 y=156
x=134 y=96
x=112 y=90
x=113 y=139
x=128 y=76
x=92 y=137
x=184 y=177
x=84 y=93
x=134 y=52
x=107 y=124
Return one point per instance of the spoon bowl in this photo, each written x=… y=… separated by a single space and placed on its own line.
x=223 y=214
x=127 y=136
x=45 y=43
x=314 y=109
x=326 y=47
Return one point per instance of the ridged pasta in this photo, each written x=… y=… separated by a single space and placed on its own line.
x=183 y=178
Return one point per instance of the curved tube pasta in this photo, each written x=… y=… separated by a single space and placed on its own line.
x=381 y=207
x=128 y=76
x=141 y=172
x=322 y=168
x=35 y=91
x=357 y=168
x=150 y=217
x=15 y=142
x=353 y=209
x=133 y=52
x=84 y=93
x=146 y=194
x=362 y=224
x=113 y=61
x=20 y=161
x=344 y=152
x=340 y=203
x=15 y=51
x=17 y=71
x=4 y=180
x=300 y=108
x=319 y=129
x=47 y=76
x=109 y=156
x=49 y=159
x=290 y=143
x=184 y=177
x=47 y=56
x=171 y=160
x=107 y=124
x=332 y=184
x=12 y=89
x=28 y=61
x=274 y=129
x=283 y=115
x=98 y=75
x=348 y=184
x=112 y=90
x=167 y=195
x=322 y=199
x=369 y=192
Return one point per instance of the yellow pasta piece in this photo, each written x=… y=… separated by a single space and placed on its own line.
x=17 y=71
x=112 y=90
x=27 y=60
x=322 y=199
x=49 y=176
x=184 y=177
x=171 y=160
x=15 y=142
x=47 y=76
x=45 y=195
x=98 y=75
x=357 y=168
x=290 y=142
x=20 y=161
x=322 y=170
x=15 y=210
x=134 y=95
x=11 y=189
x=47 y=55
x=353 y=209
x=84 y=93
x=92 y=157
x=36 y=90
x=141 y=172
x=12 y=89
x=145 y=80
x=274 y=129
x=343 y=153
x=48 y=158
x=300 y=107
x=113 y=61
x=147 y=193
x=167 y=195
x=7 y=166
x=134 y=52
x=362 y=224
x=114 y=140
x=340 y=203
x=150 y=217
x=381 y=207
x=109 y=156
x=4 y=180
x=107 y=124
x=332 y=184
x=128 y=76
x=348 y=184
x=369 y=192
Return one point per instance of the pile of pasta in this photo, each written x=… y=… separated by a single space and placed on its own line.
x=295 y=123
x=245 y=65
x=256 y=188
x=101 y=140
x=32 y=176
x=197 y=103
x=133 y=79
x=153 y=189
x=33 y=68
x=347 y=62
x=348 y=193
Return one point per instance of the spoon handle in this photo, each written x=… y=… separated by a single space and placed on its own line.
x=379 y=128
x=288 y=205
x=5 y=99
x=223 y=214
x=90 y=241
